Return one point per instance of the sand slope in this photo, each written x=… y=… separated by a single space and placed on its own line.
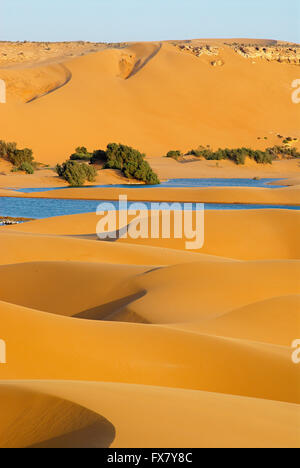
x=193 y=349
x=241 y=195
x=238 y=234
x=160 y=417
x=153 y=97
x=141 y=343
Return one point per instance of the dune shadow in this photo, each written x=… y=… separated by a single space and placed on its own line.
x=100 y=434
x=141 y=63
x=115 y=235
x=40 y=420
x=67 y=80
x=111 y=310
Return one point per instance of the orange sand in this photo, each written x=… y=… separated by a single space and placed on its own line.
x=151 y=96
x=141 y=343
x=171 y=346
x=282 y=196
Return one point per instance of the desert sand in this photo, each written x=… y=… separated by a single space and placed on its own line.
x=235 y=195
x=154 y=343
x=142 y=343
x=152 y=96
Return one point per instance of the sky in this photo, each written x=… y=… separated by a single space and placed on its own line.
x=146 y=20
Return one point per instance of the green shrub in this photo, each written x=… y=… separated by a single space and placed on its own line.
x=26 y=167
x=18 y=157
x=81 y=154
x=22 y=159
x=175 y=154
x=131 y=162
x=6 y=149
x=276 y=151
x=75 y=173
x=98 y=156
x=237 y=155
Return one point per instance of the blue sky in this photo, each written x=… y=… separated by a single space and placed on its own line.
x=130 y=20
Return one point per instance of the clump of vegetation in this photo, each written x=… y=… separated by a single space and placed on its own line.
x=174 y=154
x=81 y=154
x=276 y=151
x=21 y=159
x=236 y=155
x=6 y=149
x=99 y=156
x=287 y=140
x=131 y=162
x=117 y=156
x=76 y=173
x=239 y=155
x=26 y=167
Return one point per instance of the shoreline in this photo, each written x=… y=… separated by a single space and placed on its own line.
x=222 y=195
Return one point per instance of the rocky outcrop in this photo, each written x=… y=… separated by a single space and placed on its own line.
x=281 y=54
x=198 y=50
x=8 y=221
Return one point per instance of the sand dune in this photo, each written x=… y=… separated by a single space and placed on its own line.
x=102 y=284
x=143 y=354
x=21 y=248
x=243 y=195
x=30 y=83
x=95 y=280
x=139 y=342
x=260 y=321
x=244 y=235
x=142 y=111
x=146 y=325
x=199 y=279
x=29 y=418
x=164 y=417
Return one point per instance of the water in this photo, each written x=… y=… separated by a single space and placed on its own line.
x=38 y=208
x=180 y=183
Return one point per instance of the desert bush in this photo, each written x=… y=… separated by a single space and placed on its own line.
x=26 y=167
x=81 y=154
x=276 y=151
x=175 y=154
x=75 y=173
x=98 y=156
x=117 y=156
x=6 y=149
x=131 y=162
x=237 y=155
x=18 y=157
x=21 y=159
